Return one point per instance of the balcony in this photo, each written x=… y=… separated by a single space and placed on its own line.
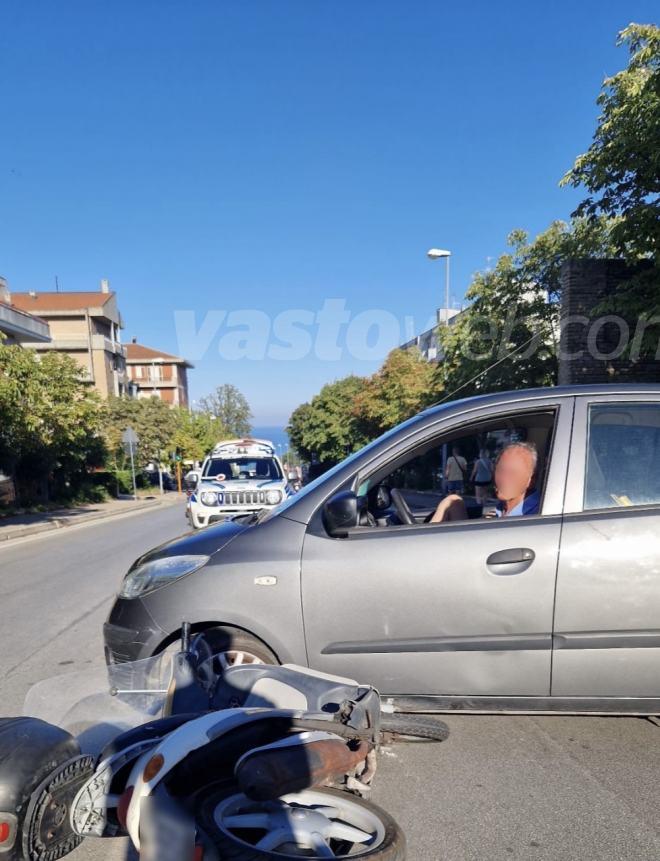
x=22 y=327
x=101 y=342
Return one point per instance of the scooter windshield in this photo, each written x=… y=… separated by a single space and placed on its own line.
x=97 y=704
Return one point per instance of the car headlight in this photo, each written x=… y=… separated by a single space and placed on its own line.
x=273 y=497
x=209 y=497
x=159 y=572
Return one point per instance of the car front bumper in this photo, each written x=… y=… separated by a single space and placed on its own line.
x=130 y=634
x=204 y=516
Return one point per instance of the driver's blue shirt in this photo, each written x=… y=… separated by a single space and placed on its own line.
x=529 y=505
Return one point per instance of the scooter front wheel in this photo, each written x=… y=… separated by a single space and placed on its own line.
x=410 y=727
x=316 y=823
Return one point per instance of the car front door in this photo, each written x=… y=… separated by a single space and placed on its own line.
x=607 y=619
x=462 y=608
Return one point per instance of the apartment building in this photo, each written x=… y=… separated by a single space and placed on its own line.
x=158 y=374
x=86 y=326
x=428 y=343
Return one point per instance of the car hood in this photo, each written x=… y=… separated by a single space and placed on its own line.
x=203 y=543
x=241 y=484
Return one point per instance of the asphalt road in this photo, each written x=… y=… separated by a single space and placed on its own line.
x=545 y=788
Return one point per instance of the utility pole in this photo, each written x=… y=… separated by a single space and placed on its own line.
x=130 y=440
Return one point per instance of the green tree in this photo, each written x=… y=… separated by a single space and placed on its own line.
x=621 y=169
x=153 y=421
x=514 y=310
x=231 y=409
x=327 y=429
x=196 y=433
x=50 y=424
x=405 y=384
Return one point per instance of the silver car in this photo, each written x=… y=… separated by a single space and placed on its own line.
x=557 y=610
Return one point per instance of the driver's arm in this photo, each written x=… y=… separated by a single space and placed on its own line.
x=451 y=507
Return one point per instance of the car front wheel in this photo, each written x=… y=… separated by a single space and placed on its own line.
x=232 y=648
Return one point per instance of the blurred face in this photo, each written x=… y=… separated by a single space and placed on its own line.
x=513 y=473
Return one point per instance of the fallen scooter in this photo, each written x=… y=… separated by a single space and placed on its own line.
x=191 y=762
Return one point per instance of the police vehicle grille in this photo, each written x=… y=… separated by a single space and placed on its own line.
x=244 y=497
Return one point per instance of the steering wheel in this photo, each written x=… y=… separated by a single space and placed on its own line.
x=403 y=511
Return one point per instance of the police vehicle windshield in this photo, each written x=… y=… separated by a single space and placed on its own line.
x=242 y=469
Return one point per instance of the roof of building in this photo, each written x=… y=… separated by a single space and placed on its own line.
x=141 y=353
x=74 y=301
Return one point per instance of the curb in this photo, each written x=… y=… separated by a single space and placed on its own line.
x=64 y=522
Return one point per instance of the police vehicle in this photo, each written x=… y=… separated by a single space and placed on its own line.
x=240 y=476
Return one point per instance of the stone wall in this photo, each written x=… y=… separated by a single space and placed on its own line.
x=597 y=347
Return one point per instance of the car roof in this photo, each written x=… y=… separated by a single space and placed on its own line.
x=516 y=395
x=302 y=508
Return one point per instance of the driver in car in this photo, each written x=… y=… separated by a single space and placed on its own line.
x=514 y=476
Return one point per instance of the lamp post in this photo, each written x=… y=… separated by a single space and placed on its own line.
x=436 y=254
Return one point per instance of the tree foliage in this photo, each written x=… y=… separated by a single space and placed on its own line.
x=50 y=423
x=621 y=168
x=153 y=421
x=349 y=412
x=326 y=429
x=506 y=338
x=231 y=409
x=162 y=431
x=196 y=433
x=405 y=384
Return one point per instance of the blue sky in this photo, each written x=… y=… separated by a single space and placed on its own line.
x=273 y=155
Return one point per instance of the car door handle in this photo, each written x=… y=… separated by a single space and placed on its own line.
x=512 y=554
x=513 y=560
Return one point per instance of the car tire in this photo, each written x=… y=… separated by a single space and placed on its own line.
x=405 y=727
x=238 y=647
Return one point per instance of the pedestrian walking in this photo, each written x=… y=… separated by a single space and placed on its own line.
x=482 y=475
x=455 y=471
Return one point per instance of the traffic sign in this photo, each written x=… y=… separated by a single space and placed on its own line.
x=129 y=437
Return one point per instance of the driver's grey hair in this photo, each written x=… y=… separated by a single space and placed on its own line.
x=529 y=447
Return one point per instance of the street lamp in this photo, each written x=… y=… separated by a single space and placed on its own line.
x=436 y=254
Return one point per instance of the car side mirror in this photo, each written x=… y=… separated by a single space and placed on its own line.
x=340 y=513
x=292 y=476
x=191 y=480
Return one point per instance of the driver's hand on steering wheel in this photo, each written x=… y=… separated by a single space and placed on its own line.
x=451 y=507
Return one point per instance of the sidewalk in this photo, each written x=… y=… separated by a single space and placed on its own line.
x=22 y=525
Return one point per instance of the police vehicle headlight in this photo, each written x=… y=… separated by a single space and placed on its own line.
x=273 y=497
x=209 y=497
x=159 y=572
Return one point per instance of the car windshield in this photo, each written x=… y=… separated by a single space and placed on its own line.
x=242 y=469
x=290 y=501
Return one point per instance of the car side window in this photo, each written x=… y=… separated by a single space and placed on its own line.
x=462 y=463
x=623 y=456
